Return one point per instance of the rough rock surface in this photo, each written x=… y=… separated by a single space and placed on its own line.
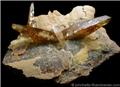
x=81 y=13
x=76 y=59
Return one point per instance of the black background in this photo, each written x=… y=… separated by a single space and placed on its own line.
x=17 y=12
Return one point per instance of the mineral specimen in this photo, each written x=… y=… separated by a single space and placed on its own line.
x=61 y=47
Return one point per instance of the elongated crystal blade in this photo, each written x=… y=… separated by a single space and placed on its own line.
x=31 y=16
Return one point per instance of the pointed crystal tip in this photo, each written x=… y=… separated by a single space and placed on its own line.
x=31 y=15
x=32 y=9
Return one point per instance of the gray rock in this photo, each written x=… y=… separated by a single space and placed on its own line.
x=76 y=59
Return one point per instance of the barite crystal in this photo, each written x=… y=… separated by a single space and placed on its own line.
x=76 y=58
